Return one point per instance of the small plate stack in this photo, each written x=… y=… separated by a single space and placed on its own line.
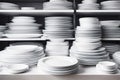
x=111 y=48
x=107 y=67
x=116 y=58
x=111 y=28
x=23 y=27
x=111 y=5
x=88 y=47
x=58 y=65
x=8 y=6
x=2 y=29
x=88 y=5
x=57 y=48
x=57 y=5
x=22 y=53
x=58 y=27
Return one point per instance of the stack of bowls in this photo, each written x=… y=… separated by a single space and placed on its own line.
x=88 y=5
x=111 y=5
x=23 y=27
x=58 y=27
x=8 y=6
x=22 y=53
x=57 y=48
x=58 y=65
x=87 y=47
x=111 y=28
x=57 y=5
x=107 y=67
x=116 y=58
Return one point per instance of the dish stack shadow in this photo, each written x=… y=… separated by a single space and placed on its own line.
x=22 y=53
x=58 y=27
x=23 y=27
x=89 y=5
x=57 y=48
x=87 y=47
x=57 y=5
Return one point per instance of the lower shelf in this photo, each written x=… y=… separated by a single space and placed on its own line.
x=84 y=70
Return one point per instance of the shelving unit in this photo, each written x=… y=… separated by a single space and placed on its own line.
x=36 y=12
x=74 y=13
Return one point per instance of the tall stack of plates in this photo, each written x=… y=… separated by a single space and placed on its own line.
x=111 y=5
x=111 y=28
x=116 y=58
x=58 y=65
x=88 y=47
x=23 y=27
x=88 y=5
x=57 y=5
x=107 y=67
x=2 y=29
x=8 y=6
x=57 y=48
x=58 y=27
x=22 y=53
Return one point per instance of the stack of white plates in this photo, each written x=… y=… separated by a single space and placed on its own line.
x=22 y=53
x=88 y=5
x=57 y=48
x=17 y=68
x=8 y=6
x=111 y=48
x=58 y=27
x=111 y=5
x=58 y=65
x=57 y=5
x=88 y=47
x=107 y=67
x=116 y=58
x=23 y=27
x=111 y=28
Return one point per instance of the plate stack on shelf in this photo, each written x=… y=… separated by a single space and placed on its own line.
x=58 y=65
x=23 y=27
x=111 y=28
x=57 y=47
x=88 y=47
x=57 y=5
x=2 y=29
x=8 y=6
x=22 y=53
x=107 y=67
x=110 y=5
x=58 y=27
x=111 y=48
x=88 y=5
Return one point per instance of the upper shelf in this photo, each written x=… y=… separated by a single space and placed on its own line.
x=37 y=12
x=98 y=12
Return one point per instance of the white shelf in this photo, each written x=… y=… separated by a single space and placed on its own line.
x=98 y=12
x=84 y=70
x=27 y=39
x=37 y=12
x=111 y=39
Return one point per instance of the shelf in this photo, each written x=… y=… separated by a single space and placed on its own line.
x=111 y=39
x=37 y=12
x=28 y=39
x=83 y=70
x=98 y=12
